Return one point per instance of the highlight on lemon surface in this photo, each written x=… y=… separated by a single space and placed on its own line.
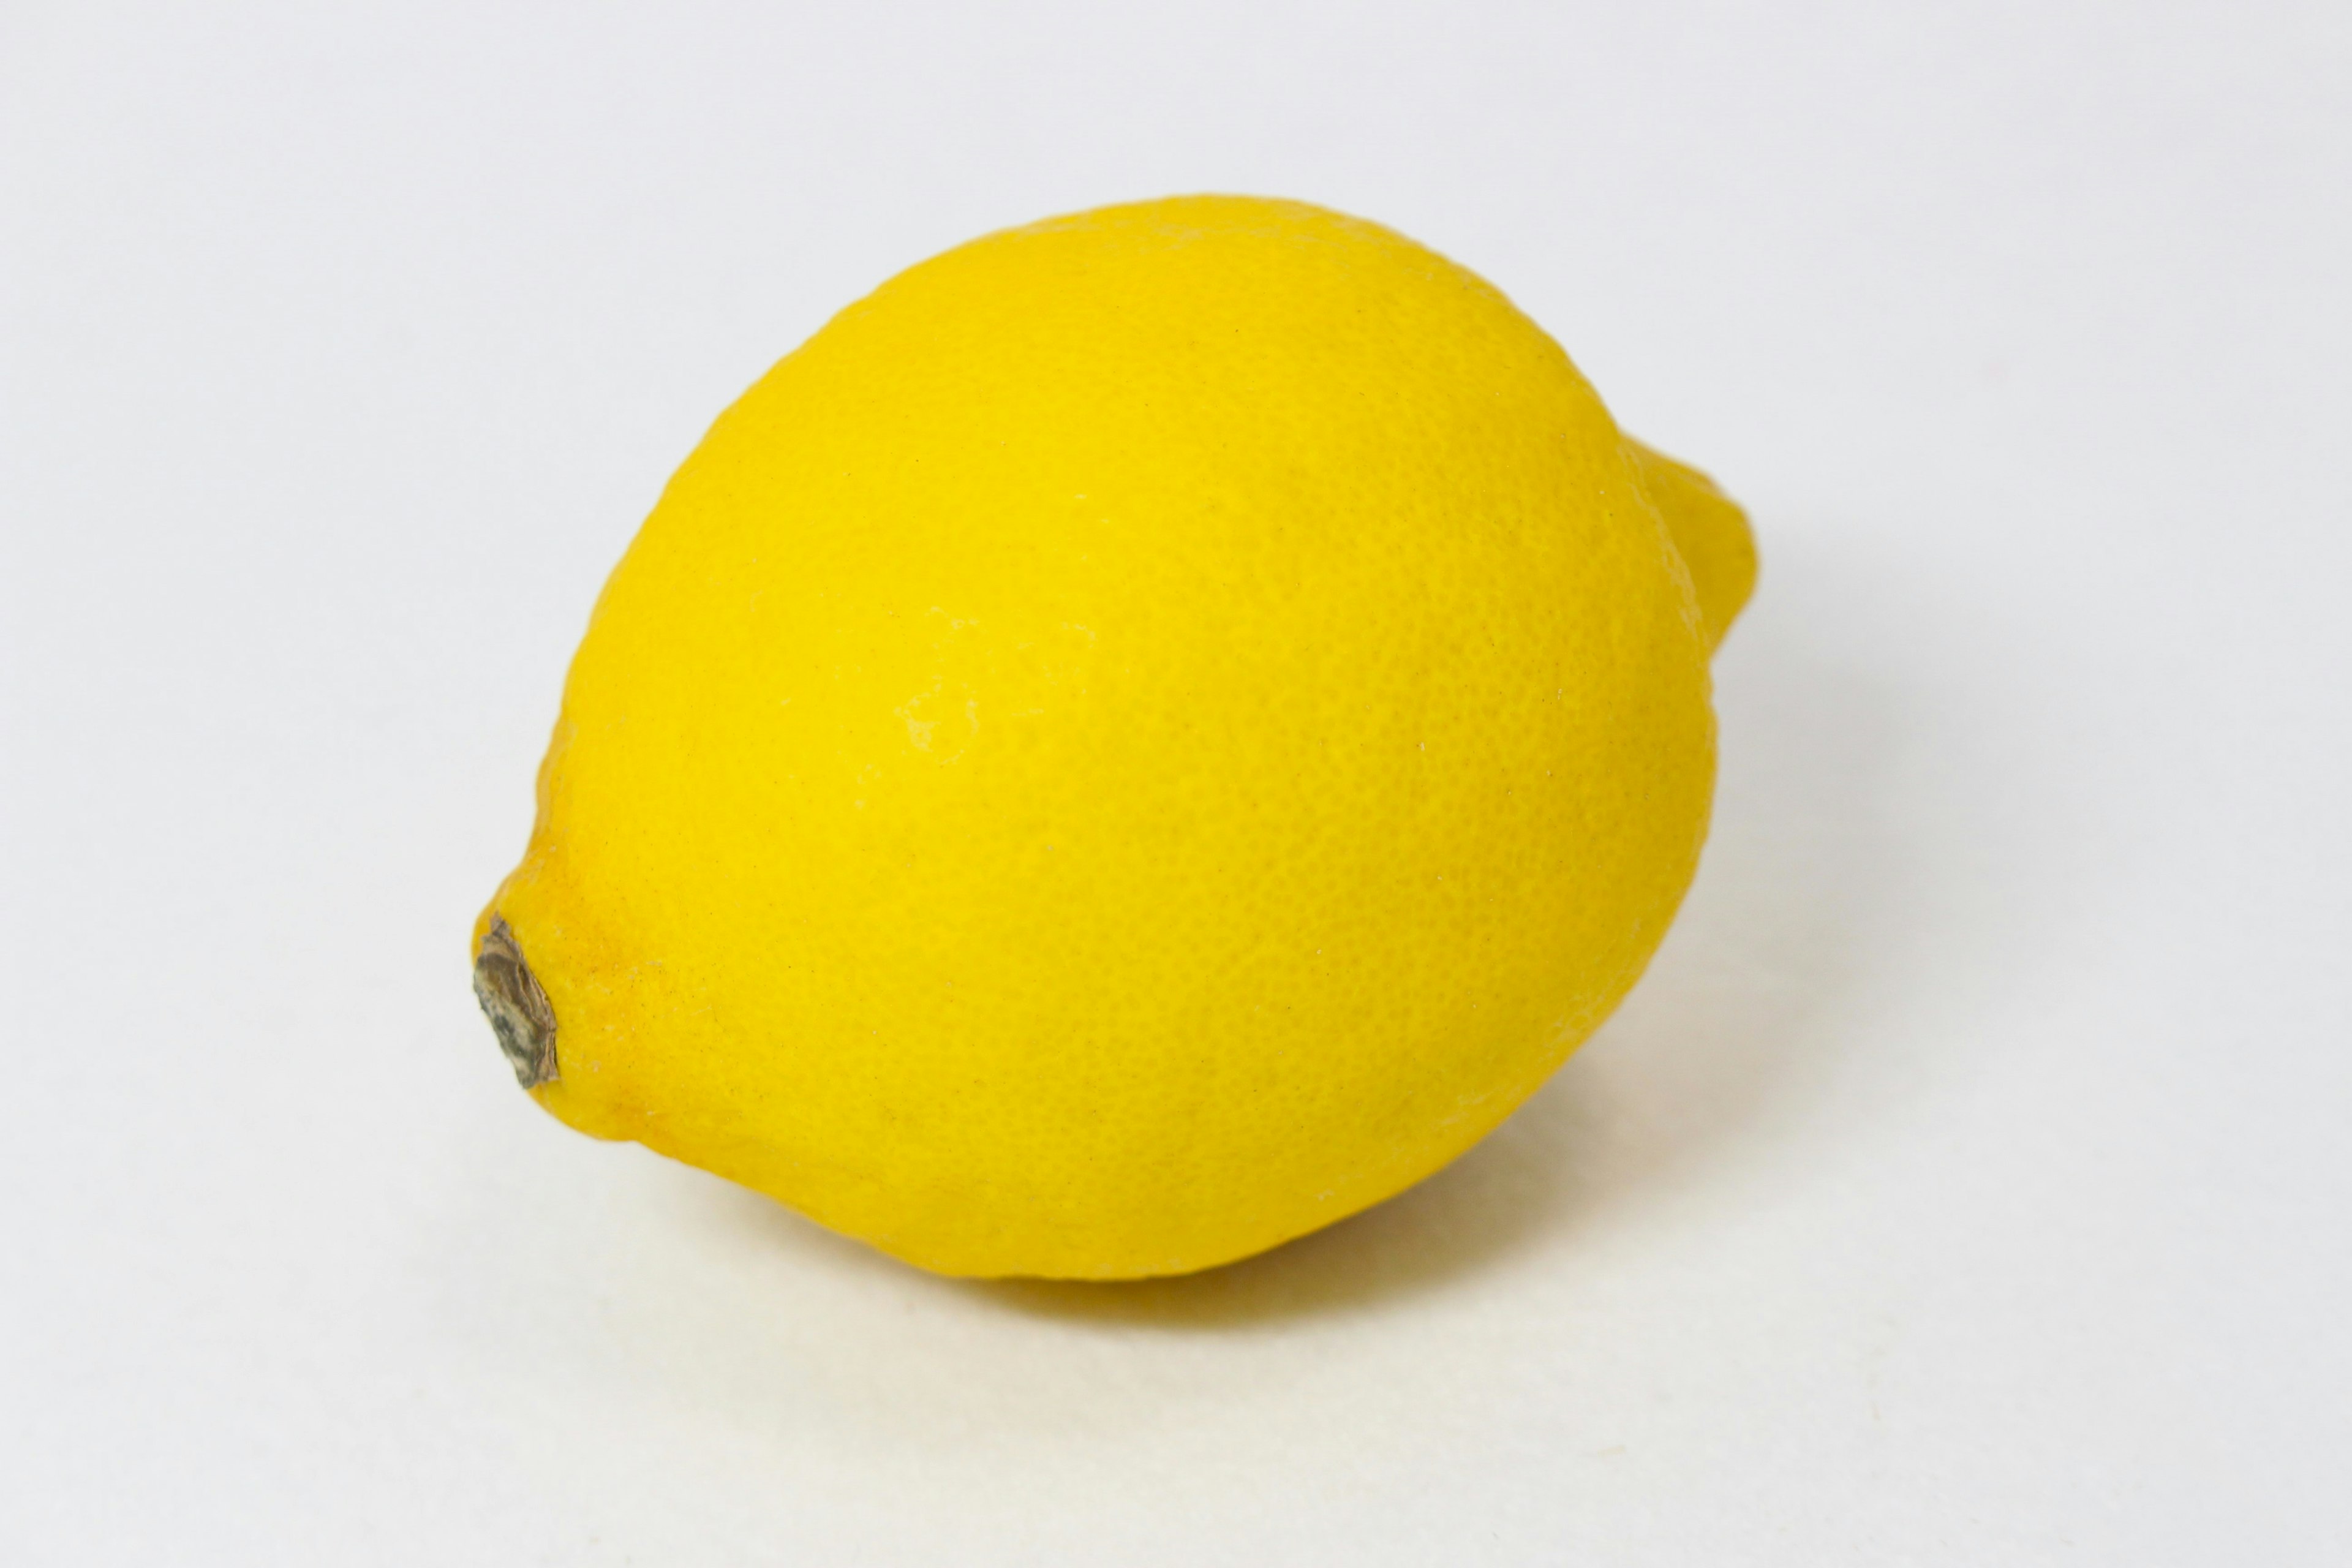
x=1148 y=733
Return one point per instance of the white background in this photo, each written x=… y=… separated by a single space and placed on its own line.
x=1967 y=1184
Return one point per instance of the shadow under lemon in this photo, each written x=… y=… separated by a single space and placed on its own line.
x=1736 y=1019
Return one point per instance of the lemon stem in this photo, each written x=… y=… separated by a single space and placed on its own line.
x=518 y=1009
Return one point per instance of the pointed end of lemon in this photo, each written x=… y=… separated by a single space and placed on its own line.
x=1710 y=532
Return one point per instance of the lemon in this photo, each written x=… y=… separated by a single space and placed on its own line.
x=1150 y=732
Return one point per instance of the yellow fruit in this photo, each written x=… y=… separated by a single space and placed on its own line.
x=1148 y=733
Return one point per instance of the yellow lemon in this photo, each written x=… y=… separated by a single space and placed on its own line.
x=1148 y=733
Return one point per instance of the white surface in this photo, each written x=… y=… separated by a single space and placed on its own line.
x=1967 y=1184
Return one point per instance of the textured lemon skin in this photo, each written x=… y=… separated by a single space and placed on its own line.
x=1150 y=733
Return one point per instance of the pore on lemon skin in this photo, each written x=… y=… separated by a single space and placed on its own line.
x=1150 y=732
